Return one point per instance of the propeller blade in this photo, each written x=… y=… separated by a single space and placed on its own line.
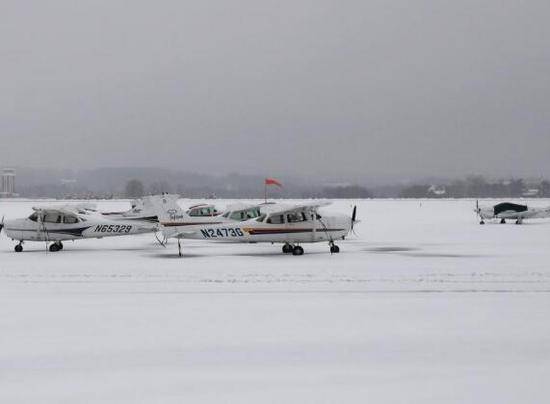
x=478 y=209
x=353 y=218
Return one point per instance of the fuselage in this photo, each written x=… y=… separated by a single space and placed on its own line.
x=89 y=227
x=529 y=213
x=258 y=230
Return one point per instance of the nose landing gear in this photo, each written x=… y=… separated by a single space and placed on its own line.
x=334 y=249
x=57 y=246
x=19 y=247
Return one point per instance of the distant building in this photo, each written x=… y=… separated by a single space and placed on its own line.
x=7 y=186
x=531 y=193
x=437 y=190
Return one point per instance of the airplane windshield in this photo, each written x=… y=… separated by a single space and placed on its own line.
x=33 y=217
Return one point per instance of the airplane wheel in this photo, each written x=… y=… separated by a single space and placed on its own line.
x=18 y=248
x=297 y=250
x=54 y=247
x=502 y=221
x=287 y=249
x=482 y=222
x=334 y=249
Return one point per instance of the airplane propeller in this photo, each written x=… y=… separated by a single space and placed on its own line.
x=478 y=212
x=353 y=219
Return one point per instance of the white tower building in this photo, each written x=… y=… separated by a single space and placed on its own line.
x=7 y=188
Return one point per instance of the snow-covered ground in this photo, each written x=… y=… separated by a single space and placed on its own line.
x=423 y=305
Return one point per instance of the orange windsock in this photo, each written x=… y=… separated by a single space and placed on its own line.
x=272 y=181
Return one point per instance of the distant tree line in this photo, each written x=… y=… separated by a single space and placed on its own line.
x=478 y=187
x=133 y=182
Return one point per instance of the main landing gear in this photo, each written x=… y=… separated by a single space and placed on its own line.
x=19 y=247
x=292 y=249
x=57 y=246
x=502 y=221
x=297 y=250
x=334 y=249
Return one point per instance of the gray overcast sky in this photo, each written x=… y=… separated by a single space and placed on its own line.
x=391 y=88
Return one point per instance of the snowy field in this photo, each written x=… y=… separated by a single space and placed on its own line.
x=423 y=305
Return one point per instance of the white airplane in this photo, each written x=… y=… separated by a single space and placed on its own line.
x=58 y=224
x=269 y=223
x=510 y=211
x=143 y=209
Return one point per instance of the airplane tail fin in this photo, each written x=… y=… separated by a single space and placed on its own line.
x=164 y=206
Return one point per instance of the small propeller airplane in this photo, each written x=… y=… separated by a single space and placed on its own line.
x=265 y=223
x=510 y=211
x=58 y=224
x=143 y=209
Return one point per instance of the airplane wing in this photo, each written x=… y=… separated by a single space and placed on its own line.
x=538 y=213
x=531 y=213
x=62 y=210
x=308 y=206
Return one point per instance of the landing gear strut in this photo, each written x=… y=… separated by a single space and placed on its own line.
x=19 y=247
x=519 y=221
x=179 y=248
x=334 y=249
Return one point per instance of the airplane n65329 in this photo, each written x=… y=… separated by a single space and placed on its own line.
x=58 y=224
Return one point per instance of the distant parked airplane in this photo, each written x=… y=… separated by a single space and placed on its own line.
x=512 y=211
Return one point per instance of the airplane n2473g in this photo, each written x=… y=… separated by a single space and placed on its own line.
x=291 y=225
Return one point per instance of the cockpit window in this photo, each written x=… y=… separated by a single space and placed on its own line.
x=70 y=219
x=296 y=217
x=261 y=218
x=34 y=217
x=52 y=217
x=246 y=214
x=205 y=211
x=276 y=219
